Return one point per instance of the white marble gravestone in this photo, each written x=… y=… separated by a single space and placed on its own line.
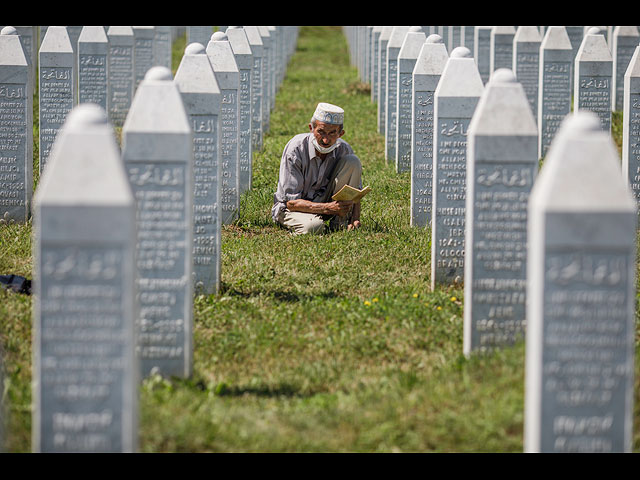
x=56 y=93
x=257 y=48
x=244 y=60
x=383 y=42
x=456 y=97
x=143 y=52
x=502 y=163
x=581 y=297
x=16 y=130
x=200 y=34
x=482 y=51
x=501 y=47
x=526 y=62
x=554 y=89
x=163 y=45
x=407 y=57
x=393 y=49
x=623 y=45
x=121 y=83
x=631 y=125
x=93 y=66
x=426 y=75
x=228 y=76
x=85 y=375
x=594 y=77
x=157 y=150
x=201 y=97
x=267 y=54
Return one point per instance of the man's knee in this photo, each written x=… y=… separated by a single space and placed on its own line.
x=313 y=225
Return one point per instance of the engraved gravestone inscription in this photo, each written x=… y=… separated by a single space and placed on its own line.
x=407 y=57
x=554 y=89
x=579 y=373
x=228 y=76
x=93 y=61
x=456 y=98
x=593 y=77
x=201 y=96
x=158 y=153
x=85 y=371
x=16 y=132
x=426 y=75
x=502 y=163
x=121 y=73
x=57 y=87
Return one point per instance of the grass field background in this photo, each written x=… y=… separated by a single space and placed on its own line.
x=329 y=343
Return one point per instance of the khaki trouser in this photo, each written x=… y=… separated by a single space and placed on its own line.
x=347 y=171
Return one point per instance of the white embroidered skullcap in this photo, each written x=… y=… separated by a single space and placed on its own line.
x=327 y=113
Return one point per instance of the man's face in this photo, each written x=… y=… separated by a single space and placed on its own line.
x=326 y=134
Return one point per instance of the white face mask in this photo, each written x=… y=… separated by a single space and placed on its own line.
x=323 y=149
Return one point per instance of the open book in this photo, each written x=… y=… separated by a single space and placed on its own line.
x=348 y=192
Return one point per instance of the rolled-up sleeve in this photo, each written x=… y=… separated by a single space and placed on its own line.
x=290 y=183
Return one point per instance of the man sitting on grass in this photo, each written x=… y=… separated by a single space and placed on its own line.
x=313 y=168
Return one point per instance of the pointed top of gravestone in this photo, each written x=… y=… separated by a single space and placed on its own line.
x=503 y=30
x=93 y=34
x=158 y=73
x=397 y=37
x=84 y=166
x=85 y=115
x=11 y=51
x=56 y=40
x=415 y=28
x=528 y=34
x=633 y=69
x=556 y=38
x=219 y=37
x=195 y=73
x=412 y=44
x=434 y=38
x=460 y=77
x=195 y=48
x=582 y=170
x=157 y=106
x=9 y=31
x=461 y=52
x=432 y=58
x=594 y=47
x=504 y=108
x=239 y=41
x=120 y=31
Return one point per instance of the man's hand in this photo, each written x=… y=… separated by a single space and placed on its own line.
x=352 y=226
x=338 y=208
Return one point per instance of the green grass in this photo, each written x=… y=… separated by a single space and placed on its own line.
x=330 y=343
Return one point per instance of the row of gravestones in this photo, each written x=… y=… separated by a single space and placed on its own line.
x=125 y=235
x=104 y=65
x=550 y=257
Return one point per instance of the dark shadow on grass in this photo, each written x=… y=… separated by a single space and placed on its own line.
x=264 y=391
x=279 y=295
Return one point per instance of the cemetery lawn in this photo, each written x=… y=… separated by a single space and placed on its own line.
x=329 y=343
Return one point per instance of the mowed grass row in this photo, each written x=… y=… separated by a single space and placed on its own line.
x=330 y=343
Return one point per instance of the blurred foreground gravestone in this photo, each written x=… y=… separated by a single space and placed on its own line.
x=581 y=296
x=85 y=375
